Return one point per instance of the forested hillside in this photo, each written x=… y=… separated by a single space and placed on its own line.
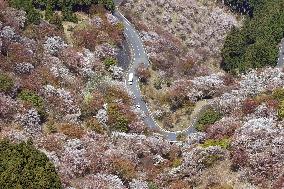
x=32 y=8
x=70 y=118
x=255 y=44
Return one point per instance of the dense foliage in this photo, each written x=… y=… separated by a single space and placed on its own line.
x=210 y=116
x=243 y=6
x=94 y=133
x=278 y=95
x=255 y=44
x=33 y=15
x=22 y=166
x=33 y=99
x=109 y=62
x=6 y=83
x=223 y=143
x=67 y=8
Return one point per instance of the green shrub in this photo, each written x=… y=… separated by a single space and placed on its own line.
x=158 y=83
x=120 y=26
x=152 y=185
x=181 y=136
x=223 y=186
x=33 y=16
x=31 y=97
x=117 y=120
x=223 y=143
x=210 y=116
x=109 y=4
x=6 y=83
x=94 y=125
x=68 y=15
x=110 y=62
x=71 y=130
x=278 y=94
x=48 y=12
x=211 y=159
x=67 y=7
x=176 y=162
x=280 y=111
x=125 y=169
x=35 y=100
x=22 y=166
x=121 y=124
x=49 y=128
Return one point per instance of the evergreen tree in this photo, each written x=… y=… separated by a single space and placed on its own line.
x=22 y=166
x=49 y=11
x=68 y=14
x=255 y=44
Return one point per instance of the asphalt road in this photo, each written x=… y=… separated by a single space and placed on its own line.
x=139 y=56
x=123 y=56
x=280 y=61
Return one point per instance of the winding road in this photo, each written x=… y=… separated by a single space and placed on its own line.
x=139 y=56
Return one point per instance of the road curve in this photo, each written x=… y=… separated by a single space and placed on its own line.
x=140 y=56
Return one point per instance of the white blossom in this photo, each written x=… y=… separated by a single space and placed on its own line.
x=116 y=72
x=102 y=180
x=8 y=32
x=24 y=68
x=105 y=50
x=256 y=82
x=138 y=184
x=30 y=121
x=54 y=44
x=66 y=103
x=261 y=140
x=112 y=19
x=87 y=61
x=102 y=116
x=96 y=21
x=74 y=161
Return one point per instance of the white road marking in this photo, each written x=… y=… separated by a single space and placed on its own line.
x=141 y=50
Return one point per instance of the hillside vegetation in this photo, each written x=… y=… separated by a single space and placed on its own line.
x=183 y=40
x=64 y=100
x=254 y=45
x=67 y=7
x=22 y=166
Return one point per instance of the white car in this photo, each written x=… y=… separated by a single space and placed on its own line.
x=130 y=79
x=138 y=106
